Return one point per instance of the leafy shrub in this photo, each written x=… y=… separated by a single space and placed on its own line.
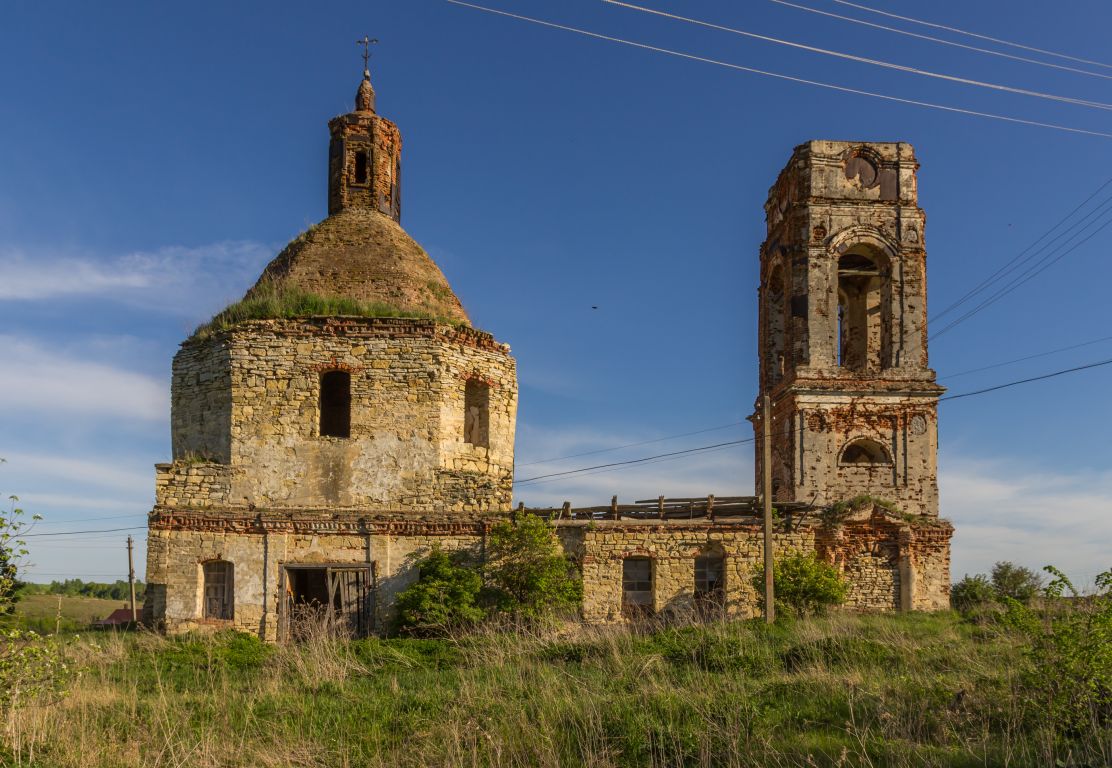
x=1069 y=680
x=804 y=585
x=33 y=670
x=972 y=593
x=444 y=597
x=1015 y=581
x=980 y=595
x=528 y=575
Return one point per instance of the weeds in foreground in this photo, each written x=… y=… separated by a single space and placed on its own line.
x=841 y=690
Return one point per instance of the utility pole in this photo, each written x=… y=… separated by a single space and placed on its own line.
x=131 y=580
x=766 y=498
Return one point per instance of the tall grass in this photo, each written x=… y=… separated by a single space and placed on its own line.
x=845 y=690
x=273 y=301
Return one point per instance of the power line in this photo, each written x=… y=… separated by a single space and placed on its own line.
x=950 y=376
x=620 y=464
x=648 y=461
x=974 y=34
x=862 y=59
x=1031 y=273
x=74 y=533
x=940 y=40
x=1026 y=381
x=779 y=76
x=90 y=519
x=636 y=461
x=632 y=445
x=1019 y=257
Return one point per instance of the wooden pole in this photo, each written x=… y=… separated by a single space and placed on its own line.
x=766 y=497
x=131 y=580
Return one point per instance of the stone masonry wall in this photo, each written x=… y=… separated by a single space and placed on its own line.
x=407 y=448
x=880 y=556
x=175 y=558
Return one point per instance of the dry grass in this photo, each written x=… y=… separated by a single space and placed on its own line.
x=839 y=691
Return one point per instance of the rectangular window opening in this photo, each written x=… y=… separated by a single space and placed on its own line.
x=218 y=590
x=710 y=590
x=637 y=587
x=335 y=404
x=476 y=420
x=361 y=167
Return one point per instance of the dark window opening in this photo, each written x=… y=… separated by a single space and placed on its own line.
x=710 y=587
x=361 y=167
x=476 y=419
x=775 y=327
x=637 y=587
x=335 y=404
x=218 y=590
x=865 y=452
x=862 y=314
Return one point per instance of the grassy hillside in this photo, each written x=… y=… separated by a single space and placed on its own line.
x=75 y=610
x=917 y=690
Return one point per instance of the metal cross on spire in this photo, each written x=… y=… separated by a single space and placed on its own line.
x=367 y=42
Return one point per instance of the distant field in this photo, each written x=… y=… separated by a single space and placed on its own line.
x=78 y=610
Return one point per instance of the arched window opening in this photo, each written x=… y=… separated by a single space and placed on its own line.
x=219 y=600
x=637 y=587
x=865 y=453
x=862 y=315
x=775 y=327
x=335 y=404
x=710 y=592
x=361 y=167
x=476 y=418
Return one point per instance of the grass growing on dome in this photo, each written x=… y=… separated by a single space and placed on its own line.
x=274 y=303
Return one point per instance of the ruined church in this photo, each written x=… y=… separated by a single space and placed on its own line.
x=316 y=456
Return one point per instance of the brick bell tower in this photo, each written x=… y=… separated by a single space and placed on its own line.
x=364 y=158
x=843 y=329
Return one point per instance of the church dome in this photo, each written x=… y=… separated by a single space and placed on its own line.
x=365 y=256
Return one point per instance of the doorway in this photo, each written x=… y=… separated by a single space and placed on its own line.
x=335 y=599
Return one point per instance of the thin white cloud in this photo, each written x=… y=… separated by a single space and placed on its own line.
x=35 y=378
x=190 y=281
x=1007 y=511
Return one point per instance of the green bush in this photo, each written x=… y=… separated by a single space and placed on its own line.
x=980 y=595
x=972 y=593
x=804 y=585
x=444 y=597
x=528 y=575
x=1015 y=581
x=1068 y=683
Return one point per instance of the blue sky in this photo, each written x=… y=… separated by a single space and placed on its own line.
x=156 y=156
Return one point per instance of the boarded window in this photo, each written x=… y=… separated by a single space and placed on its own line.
x=476 y=418
x=637 y=586
x=361 y=167
x=865 y=452
x=335 y=404
x=709 y=585
x=218 y=590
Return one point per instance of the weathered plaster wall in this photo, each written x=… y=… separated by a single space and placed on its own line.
x=175 y=557
x=877 y=553
x=835 y=199
x=407 y=447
